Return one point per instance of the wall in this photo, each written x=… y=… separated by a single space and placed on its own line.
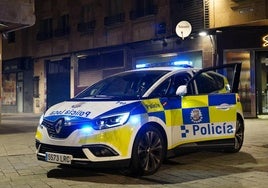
x=0 y=76
x=39 y=104
x=28 y=91
x=224 y=13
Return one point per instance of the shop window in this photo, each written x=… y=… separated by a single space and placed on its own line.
x=90 y=67
x=36 y=86
x=107 y=60
x=89 y=62
x=113 y=59
x=244 y=89
x=261 y=58
x=9 y=89
x=193 y=59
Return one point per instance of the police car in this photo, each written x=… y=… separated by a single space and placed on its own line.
x=138 y=118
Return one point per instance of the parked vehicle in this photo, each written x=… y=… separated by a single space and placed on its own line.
x=137 y=118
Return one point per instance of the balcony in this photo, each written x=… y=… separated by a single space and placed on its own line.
x=16 y=15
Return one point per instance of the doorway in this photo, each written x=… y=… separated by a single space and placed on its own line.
x=58 y=81
x=262 y=81
x=247 y=83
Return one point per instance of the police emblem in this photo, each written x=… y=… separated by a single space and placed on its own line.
x=196 y=115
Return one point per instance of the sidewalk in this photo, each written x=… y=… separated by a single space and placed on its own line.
x=17 y=133
x=19 y=167
x=21 y=114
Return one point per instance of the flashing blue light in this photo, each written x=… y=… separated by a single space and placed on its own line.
x=141 y=66
x=180 y=63
x=183 y=63
x=134 y=120
x=87 y=129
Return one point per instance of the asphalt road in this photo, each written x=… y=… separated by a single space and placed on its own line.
x=20 y=168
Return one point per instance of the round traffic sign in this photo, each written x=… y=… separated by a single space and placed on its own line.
x=183 y=29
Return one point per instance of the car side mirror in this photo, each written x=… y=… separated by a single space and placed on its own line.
x=182 y=90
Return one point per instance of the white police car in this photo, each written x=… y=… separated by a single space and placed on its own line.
x=137 y=118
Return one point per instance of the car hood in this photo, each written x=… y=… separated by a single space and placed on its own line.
x=89 y=109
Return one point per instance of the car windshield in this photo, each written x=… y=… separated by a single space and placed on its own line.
x=124 y=85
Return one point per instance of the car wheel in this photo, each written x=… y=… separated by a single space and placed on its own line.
x=148 y=152
x=239 y=136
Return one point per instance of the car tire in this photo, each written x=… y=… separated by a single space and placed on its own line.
x=239 y=137
x=148 y=152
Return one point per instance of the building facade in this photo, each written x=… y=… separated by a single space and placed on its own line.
x=14 y=16
x=76 y=43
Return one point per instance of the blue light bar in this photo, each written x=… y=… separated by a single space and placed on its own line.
x=189 y=63
x=141 y=66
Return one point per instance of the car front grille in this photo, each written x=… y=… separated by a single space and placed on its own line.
x=76 y=152
x=50 y=128
x=58 y=129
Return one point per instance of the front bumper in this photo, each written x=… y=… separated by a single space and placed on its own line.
x=97 y=155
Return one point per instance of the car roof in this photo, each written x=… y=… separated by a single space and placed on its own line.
x=171 y=69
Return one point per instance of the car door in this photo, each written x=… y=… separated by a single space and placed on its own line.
x=209 y=111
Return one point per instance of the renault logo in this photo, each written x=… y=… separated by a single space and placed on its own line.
x=58 y=126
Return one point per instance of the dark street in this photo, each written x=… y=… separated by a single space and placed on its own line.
x=20 y=168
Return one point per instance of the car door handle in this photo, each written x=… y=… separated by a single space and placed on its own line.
x=224 y=106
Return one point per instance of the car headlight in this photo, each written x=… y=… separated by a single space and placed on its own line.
x=115 y=120
x=41 y=119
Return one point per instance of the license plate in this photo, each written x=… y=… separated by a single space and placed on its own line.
x=59 y=158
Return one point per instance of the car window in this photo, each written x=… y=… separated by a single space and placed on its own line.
x=129 y=84
x=209 y=82
x=179 y=79
x=170 y=85
x=162 y=89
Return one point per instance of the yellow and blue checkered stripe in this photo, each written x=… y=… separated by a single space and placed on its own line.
x=167 y=109
x=178 y=111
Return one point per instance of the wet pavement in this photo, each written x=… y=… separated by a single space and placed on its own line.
x=19 y=167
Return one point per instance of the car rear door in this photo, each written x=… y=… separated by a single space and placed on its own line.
x=209 y=112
